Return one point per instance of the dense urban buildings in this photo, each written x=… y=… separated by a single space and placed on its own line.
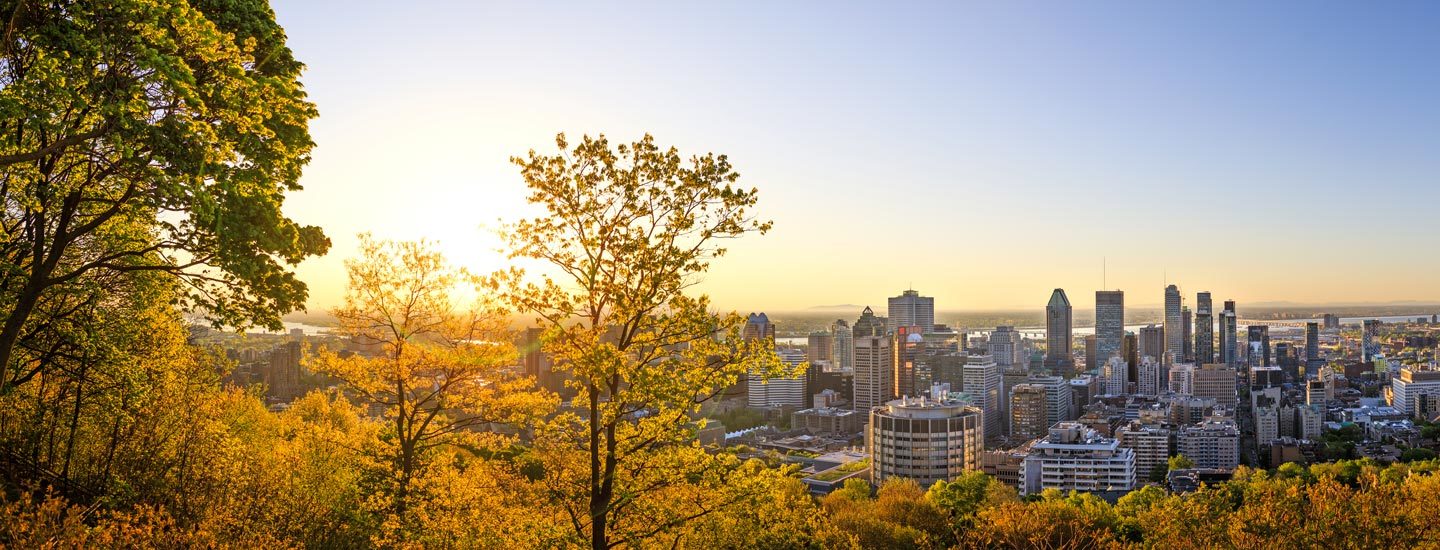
x=908 y=347
x=1213 y=444
x=1028 y=416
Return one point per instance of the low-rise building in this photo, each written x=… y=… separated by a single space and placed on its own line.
x=1075 y=458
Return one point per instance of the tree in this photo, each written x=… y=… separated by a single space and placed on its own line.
x=627 y=232
x=1180 y=462
x=148 y=135
x=438 y=372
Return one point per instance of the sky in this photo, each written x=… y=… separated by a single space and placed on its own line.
x=983 y=153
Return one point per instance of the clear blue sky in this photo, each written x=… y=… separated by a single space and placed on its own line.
x=983 y=152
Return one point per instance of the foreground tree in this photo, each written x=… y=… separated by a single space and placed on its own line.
x=628 y=231
x=438 y=372
x=147 y=135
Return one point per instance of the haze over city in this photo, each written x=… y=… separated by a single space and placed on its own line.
x=985 y=153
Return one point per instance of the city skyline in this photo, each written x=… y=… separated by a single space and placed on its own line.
x=1253 y=119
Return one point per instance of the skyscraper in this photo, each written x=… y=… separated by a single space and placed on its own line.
x=1059 y=332
x=1369 y=348
x=1229 y=355
x=1109 y=324
x=908 y=345
x=1187 y=337
x=868 y=325
x=981 y=379
x=820 y=346
x=1257 y=340
x=1312 y=345
x=1005 y=346
x=912 y=309
x=1153 y=342
x=758 y=327
x=1174 y=334
x=842 y=355
x=874 y=374
x=1204 y=330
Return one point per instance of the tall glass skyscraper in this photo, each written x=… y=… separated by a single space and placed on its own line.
x=1109 y=323
x=1174 y=334
x=1229 y=354
x=1204 y=330
x=1059 y=332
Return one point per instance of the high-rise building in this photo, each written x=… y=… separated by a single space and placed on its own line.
x=1152 y=377
x=1004 y=346
x=1027 y=411
x=868 y=325
x=782 y=391
x=1182 y=379
x=1216 y=381
x=1330 y=321
x=1115 y=377
x=1312 y=344
x=924 y=439
x=1153 y=342
x=1411 y=386
x=1187 y=335
x=1109 y=323
x=981 y=380
x=1151 y=444
x=1229 y=354
x=1076 y=458
x=1059 y=333
x=908 y=346
x=1211 y=444
x=1174 y=334
x=842 y=354
x=820 y=347
x=874 y=367
x=912 y=309
x=1369 y=347
x=758 y=327
x=1082 y=389
x=1092 y=353
x=282 y=379
x=1204 y=330
x=1130 y=351
x=1057 y=398
x=1257 y=345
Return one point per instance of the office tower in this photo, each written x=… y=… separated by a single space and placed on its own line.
x=1057 y=398
x=1369 y=347
x=912 y=309
x=1211 y=444
x=1153 y=343
x=874 y=374
x=1109 y=323
x=927 y=440
x=819 y=380
x=1092 y=353
x=820 y=347
x=1130 y=352
x=1312 y=343
x=981 y=380
x=908 y=346
x=1182 y=379
x=1216 y=381
x=1174 y=350
x=1408 y=390
x=1004 y=346
x=1116 y=377
x=1204 y=330
x=1330 y=321
x=1152 y=377
x=1076 y=458
x=1187 y=336
x=282 y=380
x=758 y=327
x=842 y=356
x=868 y=325
x=1229 y=354
x=1059 y=333
x=1083 y=388
x=1027 y=411
x=1151 y=444
x=779 y=392
x=1257 y=340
